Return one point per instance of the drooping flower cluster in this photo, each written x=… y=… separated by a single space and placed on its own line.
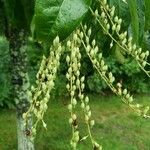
x=73 y=73
x=76 y=89
x=99 y=64
x=111 y=25
x=40 y=94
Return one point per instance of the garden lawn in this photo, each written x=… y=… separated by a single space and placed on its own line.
x=117 y=127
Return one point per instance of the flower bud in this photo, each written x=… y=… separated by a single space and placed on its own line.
x=81 y=35
x=82 y=105
x=82 y=86
x=124 y=41
x=102 y=63
x=70 y=107
x=147 y=53
x=142 y=55
x=134 y=46
x=116 y=19
x=87 y=99
x=72 y=93
x=87 y=39
x=89 y=32
x=118 y=28
x=119 y=85
x=92 y=53
x=96 y=13
x=112 y=79
x=76 y=137
x=75 y=37
x=125 y=91
x=96 y=49
x=136 y=52
x=67 y=76
x=68 y=86
x=93 y=43
x=119 y=91
x=110 y=75
x=105 y=68
x=70 y=120
x=94 y=62
x=78 y=82
x=74 y=101
x=85 y=27
x=68 y=43
x=78 y=73
x=87 y=108
x=112 y=11
x=79 y=64
x=82 y=79
x=56 y=41
x=44 y=125
x=67 y=59
x=105 y=2
x=144 y=63
x=100 y=55
x=128 y=96
x=103 y=15
x=125 y=34
x=70 y=70
x=130 y=99
x=114 y=27
x=111 y=44
x=105 y=21
x=130 y=39
x=74 y=117
x=89 y=114
x=81 y=96
x=92 y=122
x=88 y=49
x=86 y=118
x=74 y=87
x=108 y=26
x=24 y=116
x=120 y=21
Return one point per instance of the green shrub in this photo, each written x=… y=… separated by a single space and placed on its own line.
x=5 y=78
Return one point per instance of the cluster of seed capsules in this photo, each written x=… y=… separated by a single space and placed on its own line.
x=40 y=93
x=111 y=25
x=76 y=87
x=101 y=67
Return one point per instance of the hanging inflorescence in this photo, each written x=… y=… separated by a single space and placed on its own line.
x=101 y=67
x=111 y=25
x=40 y=94
x=76 y=89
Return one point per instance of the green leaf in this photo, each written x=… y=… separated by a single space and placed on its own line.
x=134 y=19
x=147 y=14
x=59 y=17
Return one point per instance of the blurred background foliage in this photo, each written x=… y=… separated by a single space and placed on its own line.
x=124 y=67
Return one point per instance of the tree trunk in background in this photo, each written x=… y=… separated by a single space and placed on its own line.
x=21 y=84
x=24 y=143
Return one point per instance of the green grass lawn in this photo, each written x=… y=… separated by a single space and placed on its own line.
x=116 y=128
